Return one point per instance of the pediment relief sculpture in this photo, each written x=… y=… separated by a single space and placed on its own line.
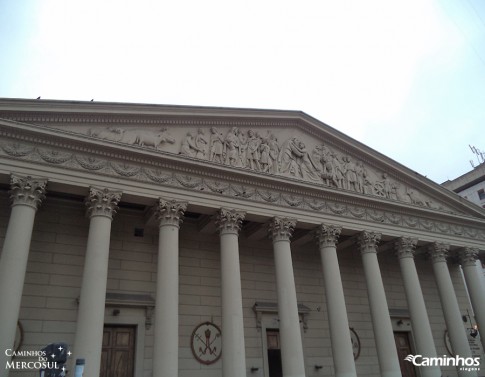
x=275 y=152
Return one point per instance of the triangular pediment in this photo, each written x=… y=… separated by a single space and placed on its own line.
x=267 y=144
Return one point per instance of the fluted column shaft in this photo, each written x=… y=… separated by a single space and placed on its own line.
x=166 y=329
x=449 y=303
x=233 y=349
x=422 y=334
x=26 y=194
x=381 y=321
x=343 y=357
x=468 y=257
x=102 y=205
x=292 y=360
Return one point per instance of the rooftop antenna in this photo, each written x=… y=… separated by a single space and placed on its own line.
x=479 y=154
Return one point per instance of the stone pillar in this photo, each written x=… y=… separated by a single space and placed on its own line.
x=468 y=257
x=422 y=334
x=381 y=321
x=449 y=303
x=102 y=205
x=166 y=329
x=292 y=360
x=233 y=349
x=343 y=357
x=26 y=194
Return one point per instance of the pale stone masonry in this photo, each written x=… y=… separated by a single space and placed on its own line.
x=290 y=240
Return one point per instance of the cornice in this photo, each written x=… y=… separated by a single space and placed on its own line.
x=57 y=112
x=72 y=151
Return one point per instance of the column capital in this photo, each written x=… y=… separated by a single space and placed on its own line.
x=406 y=247
x=170 y=212
x=27 y=190
x=468 y=256
x=281 y=228
x=229 y=221
x=327 y=235
x=102 y=202
x=438 y=251
x=368 y=241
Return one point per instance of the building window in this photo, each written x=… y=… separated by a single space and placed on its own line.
x=481 y=194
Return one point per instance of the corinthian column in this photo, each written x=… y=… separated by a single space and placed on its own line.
x=292 y=360
x=381 y=321
x=468 y=257
x=422 y=334
x=26 y=194
x=449 y=303
x=233 y=351
x=343 y=357
x=102 y=205
x=166 y=332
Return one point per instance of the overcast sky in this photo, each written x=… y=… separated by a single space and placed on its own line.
x=405 y=77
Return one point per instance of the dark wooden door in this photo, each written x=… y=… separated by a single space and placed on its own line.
x=403 y=346
x=118 y=354
x=274 y=353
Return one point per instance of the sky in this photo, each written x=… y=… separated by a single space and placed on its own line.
x=405 y=77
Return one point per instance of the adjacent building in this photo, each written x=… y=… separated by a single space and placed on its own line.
x=183 y=241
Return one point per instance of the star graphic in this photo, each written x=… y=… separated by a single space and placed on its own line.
x=63 y=369
x=60 y=348
x=69 y=353
x=53 y=355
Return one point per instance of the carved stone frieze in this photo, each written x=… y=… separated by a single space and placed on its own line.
x=90 y=162
x=229 y=220
x=270 y=151
x=102 y=202
x=54 y=156
x=216 y=186
x=27 y=190
x=17 y=149
x=125 y=169
x=157 y=175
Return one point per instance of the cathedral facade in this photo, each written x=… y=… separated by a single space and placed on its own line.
x=181 y=241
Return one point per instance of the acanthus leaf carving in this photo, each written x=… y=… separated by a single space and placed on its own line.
x=27 y=190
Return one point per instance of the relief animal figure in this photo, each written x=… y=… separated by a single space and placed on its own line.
x=152 y=139
x=111 y=133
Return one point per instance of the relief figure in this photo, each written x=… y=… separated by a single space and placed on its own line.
x=216 y=146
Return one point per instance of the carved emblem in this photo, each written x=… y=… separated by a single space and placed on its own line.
x=124 y=169
x=157 y=175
